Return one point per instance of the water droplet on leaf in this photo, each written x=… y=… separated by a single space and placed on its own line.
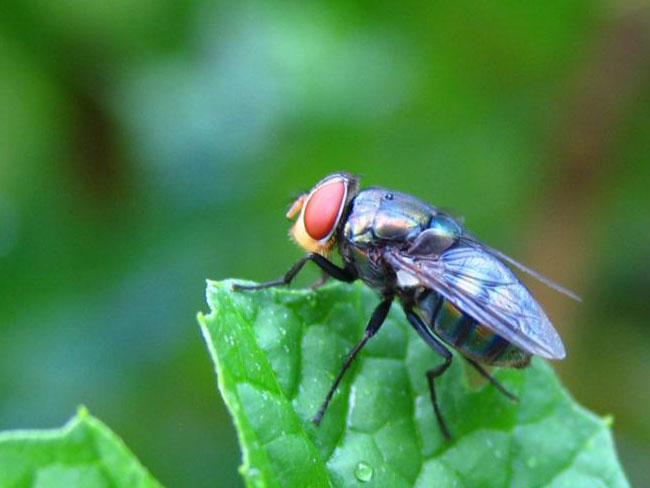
x=363 y=471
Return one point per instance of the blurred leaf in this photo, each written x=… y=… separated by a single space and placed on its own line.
x=82 y=454
x=277 y=352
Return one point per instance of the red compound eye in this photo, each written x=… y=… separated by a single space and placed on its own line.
x=323 y=208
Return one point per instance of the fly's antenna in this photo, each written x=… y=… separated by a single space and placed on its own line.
x=526 y=269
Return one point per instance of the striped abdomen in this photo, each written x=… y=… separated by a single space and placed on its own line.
x=465 y=334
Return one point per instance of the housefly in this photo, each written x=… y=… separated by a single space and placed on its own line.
x=455 y=291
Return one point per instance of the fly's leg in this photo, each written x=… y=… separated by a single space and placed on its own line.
x=320 y=281
x=340 y=274
x=377 y=318
x=492 y=380
x=433 y=373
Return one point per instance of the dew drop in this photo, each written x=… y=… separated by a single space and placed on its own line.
x=363 y=471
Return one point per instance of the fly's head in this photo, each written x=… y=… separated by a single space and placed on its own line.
x=319 y=213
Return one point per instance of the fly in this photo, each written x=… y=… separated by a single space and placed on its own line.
x=455 y=291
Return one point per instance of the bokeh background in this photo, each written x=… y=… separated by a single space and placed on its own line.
x=148 y=145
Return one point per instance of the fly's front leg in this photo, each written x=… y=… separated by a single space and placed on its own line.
x=433 y=373
x=340 y=274
x=320 y=281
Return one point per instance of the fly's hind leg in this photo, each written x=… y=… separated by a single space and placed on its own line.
x=328 y=267
x=433 y=373
x=492 y=380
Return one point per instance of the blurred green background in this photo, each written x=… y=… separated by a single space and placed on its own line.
x=148 y=145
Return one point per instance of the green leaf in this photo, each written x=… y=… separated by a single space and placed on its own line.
x=277 y=352
x=84 y=453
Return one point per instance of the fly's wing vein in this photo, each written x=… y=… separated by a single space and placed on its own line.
x=482 y=286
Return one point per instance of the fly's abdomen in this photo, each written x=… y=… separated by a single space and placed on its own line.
x=465 y=334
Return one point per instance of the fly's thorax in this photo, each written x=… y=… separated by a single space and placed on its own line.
x=357 y=229
x=441 y=233
x=378 y=217
x=370 y=267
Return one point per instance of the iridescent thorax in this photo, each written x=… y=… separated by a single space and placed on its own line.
x=377 y=213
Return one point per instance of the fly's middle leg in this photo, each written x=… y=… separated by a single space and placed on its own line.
x=375 y=322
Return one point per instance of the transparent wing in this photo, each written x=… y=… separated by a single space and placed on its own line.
x=482 y=286
x=543 y=279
